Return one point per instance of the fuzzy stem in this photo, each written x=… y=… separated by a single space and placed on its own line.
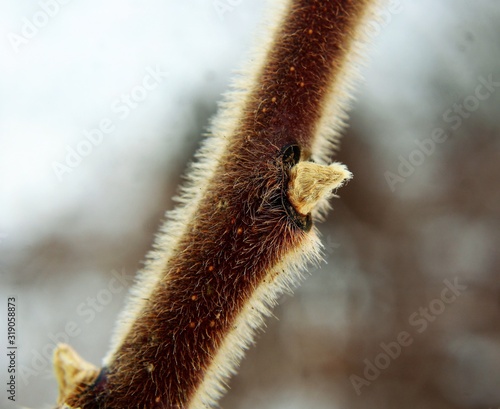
x=244 y=225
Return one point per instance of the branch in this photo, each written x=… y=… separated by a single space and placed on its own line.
x=244 y=225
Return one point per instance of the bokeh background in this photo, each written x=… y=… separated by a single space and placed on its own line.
x=393 y=243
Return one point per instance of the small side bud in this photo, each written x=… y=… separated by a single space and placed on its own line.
x=71 y=370
x=310 y=183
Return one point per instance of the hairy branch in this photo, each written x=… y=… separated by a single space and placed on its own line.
x=244 y=225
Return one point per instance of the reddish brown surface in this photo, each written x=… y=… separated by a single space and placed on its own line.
x=242 y=228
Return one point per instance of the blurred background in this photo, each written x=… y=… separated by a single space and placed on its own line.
x=103 y=106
